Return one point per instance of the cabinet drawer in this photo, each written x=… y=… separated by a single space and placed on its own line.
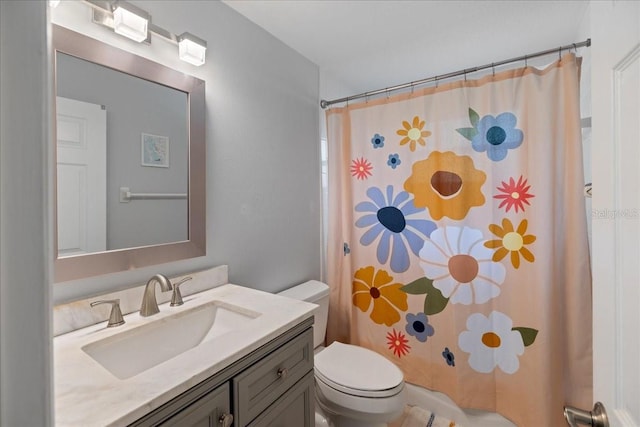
x=294 y=408
x=205 y=411
x=259 y=386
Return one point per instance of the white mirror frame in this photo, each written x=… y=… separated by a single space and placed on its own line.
x=95 y=264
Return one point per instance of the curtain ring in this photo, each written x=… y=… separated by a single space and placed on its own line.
x=436 y=78
x=493 y=69
x=525 y=62
x=465 y=75
x=366 y=98
x=387 y=93
x=412 y=88
x=575 y=49
x=560 y=53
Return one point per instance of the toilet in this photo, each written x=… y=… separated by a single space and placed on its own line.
x=355 y=387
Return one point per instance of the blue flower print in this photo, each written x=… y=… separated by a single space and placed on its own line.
x=394 y=161
x=388 y=217
x=496 y=135
x=346 y=249
x=449 y=357
x=419 y=327
x=377 y=141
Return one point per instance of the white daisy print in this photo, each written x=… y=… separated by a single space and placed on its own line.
x=460 y=265
x=491 y=342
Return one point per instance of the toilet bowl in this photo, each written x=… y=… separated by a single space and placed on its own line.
x=355 y=387
x=358 y=386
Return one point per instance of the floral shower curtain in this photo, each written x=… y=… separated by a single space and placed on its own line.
x=457 y=242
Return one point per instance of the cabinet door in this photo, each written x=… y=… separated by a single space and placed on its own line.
x=257 y=387
x=208 y=411
x=295 y=408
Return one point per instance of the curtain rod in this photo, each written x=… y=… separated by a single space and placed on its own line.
x=586 y=43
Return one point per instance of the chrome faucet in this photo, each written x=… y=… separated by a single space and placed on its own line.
x=149 y=305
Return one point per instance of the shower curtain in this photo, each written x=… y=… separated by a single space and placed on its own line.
x=457 y=241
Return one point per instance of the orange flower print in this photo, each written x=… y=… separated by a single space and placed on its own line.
x=377 y=287
x=447 y=184
x=413 y=133
x=361 y=168
x=398 y=343
x=515 y=194
x=511 y=242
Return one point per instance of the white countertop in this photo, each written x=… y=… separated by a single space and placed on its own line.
x=86 y=394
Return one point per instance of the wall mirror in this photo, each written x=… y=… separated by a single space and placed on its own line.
x=130 y=160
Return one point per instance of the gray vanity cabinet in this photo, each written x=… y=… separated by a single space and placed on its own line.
x=258 y=387
x=270 y=387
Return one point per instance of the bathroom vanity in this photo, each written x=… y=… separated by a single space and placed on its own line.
x=272 y=385
x=230 y=356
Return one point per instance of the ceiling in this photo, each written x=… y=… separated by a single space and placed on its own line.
x=363 y=45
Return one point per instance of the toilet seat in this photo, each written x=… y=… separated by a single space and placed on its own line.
x=357 y=371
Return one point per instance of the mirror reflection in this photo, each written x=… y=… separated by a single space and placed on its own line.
x=118 y=131
x=131 y=163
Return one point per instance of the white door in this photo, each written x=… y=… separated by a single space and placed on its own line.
x=82 y=177
x=615 y=33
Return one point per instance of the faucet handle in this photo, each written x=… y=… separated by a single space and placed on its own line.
x=115 y=318
x=176 y=298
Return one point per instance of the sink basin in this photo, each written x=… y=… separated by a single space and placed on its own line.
x=134 y=351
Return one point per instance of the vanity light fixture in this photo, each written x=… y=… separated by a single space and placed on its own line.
x=135 y=23
x=130 y=21
x=191 y=49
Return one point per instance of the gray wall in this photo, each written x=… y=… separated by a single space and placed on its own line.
x=25 y=224
x=134 y=106
x=263 y=156
x=263 y=178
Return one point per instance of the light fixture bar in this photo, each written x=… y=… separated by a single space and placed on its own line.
x=167 y=35
x=191 y=49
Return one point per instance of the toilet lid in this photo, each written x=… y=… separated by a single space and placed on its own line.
x=358 y=371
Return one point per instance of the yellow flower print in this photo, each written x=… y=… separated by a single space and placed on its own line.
x=511 y=241
x=413 y=133
x=446 y=184
x=378 y=288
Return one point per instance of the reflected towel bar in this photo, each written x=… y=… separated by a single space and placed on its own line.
x=126 y=195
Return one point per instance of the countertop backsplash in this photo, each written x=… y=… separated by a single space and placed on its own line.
x=79 y=314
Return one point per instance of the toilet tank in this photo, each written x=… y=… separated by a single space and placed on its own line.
x=317 y=293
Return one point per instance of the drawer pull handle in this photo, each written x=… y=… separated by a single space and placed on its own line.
x=225 y=420
x=282 y=373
